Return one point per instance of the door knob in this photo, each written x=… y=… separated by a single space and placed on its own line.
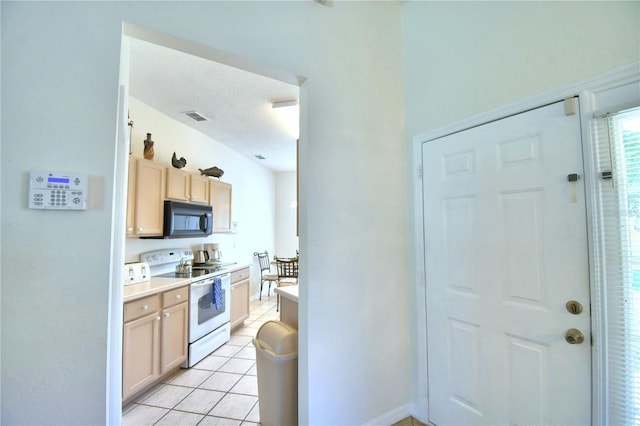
x=574 y=336
x=574 y=307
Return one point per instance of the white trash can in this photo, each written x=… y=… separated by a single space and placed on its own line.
x=277 y=364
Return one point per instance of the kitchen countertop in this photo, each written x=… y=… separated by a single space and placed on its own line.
x=153 y=286
x=288 y=304
x=289 y=292
x=160 y=284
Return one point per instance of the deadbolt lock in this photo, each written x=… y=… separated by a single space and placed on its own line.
x=574 y=336
x=574 y=307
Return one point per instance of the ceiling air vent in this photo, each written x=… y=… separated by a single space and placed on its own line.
x=195 y=116
x=259 y=157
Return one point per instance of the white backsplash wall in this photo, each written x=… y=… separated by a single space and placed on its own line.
x=254 y=187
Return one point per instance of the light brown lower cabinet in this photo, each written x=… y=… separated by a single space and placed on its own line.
x=141 y=348
x=155 y=337
x=240 y=281
x=175 y=329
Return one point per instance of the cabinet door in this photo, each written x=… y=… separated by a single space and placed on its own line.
x=199 y=189
x=178 y=184
x=239 y=303
x=220 y=200
x=140 y=354
x=149 y=198
x=175 y=326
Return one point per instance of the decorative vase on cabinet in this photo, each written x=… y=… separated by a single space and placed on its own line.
x=148 y=151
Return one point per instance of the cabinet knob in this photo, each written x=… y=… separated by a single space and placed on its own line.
x=166 y=314
x=145 y=307
x=178 y=296
x=129 y=230
x=157 y=318
x=139 y=229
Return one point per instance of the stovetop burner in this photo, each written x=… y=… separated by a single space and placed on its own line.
x=195 y=273
x=166 y=262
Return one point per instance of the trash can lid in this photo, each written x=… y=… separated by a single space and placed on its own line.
x=278 y=337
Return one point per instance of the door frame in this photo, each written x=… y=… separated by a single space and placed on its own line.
x=113 y=397
x=587 y=91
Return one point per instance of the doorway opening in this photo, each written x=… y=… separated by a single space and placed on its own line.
x=282 y=86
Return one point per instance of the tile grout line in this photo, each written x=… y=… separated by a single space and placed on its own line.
x=259 y=321
x=265 y=315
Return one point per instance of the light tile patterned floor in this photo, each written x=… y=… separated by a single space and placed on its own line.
x=222 y=389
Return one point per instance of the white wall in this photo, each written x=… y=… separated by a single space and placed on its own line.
x=286 y=208
x=465 y=58
x=488 y=54
x=254 y=187
x=60 y=68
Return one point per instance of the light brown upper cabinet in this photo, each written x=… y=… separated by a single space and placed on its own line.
x=145 y=198
x=220 y=200
x=199 y=189
x=185 y=186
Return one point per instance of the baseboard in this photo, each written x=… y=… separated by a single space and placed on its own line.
x=392 y=416
x=418 y=414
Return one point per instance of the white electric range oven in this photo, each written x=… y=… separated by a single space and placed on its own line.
x=209 y=300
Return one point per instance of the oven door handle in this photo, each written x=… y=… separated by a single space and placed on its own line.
x=208 y=281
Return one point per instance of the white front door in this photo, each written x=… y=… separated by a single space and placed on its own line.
x=505 y=250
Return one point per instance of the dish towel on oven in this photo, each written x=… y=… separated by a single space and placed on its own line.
x=216 y=292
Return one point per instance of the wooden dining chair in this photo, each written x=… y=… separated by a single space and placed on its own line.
x=265 y=272
x=287 y=274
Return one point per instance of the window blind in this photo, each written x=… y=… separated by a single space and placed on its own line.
x=618 y=151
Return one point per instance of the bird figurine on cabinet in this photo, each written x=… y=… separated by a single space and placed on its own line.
x=212 y=171
x=178 y=164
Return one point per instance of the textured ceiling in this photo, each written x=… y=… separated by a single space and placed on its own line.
x=237 y=103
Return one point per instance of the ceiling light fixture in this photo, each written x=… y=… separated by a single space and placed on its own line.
x=289 y=113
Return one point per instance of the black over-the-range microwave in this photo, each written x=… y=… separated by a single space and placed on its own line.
x=184 y=220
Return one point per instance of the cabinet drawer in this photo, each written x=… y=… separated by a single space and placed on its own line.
x=176 y=296
x=141 y=307
x=240 y=275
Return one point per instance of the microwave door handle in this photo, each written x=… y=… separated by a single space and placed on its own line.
x=204 y=222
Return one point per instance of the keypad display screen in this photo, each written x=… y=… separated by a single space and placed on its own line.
x=57 y=180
